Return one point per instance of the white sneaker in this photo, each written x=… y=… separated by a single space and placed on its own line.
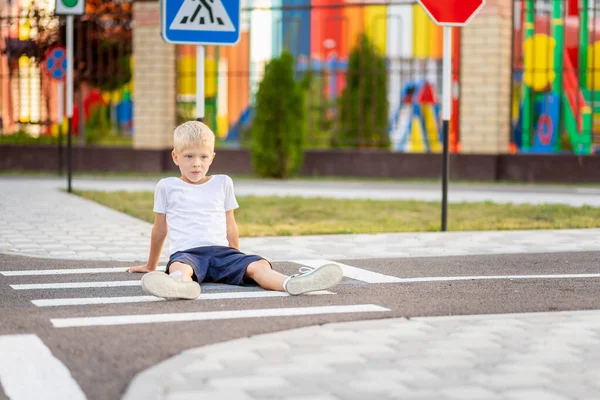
x=313 y=279
x=160 y=284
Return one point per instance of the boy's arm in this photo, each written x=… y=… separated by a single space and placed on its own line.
x=232 y=230
x=157 y=240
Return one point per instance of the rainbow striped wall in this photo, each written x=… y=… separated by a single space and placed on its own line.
x=295 y=26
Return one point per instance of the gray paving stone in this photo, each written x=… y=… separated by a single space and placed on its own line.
x=201 y=367
x=312 y=397
x=209 y=395
x=420 y=377
x=293 y=370
x=28 y=246
x=533 y=394
x=290 y=392
x=499 y=381
x=249 y=382
x=374 y=386
x=576 y=389
x=469 y=393
x=92 y=254
x=53 y=246
x=60 y=253
x=81 y=247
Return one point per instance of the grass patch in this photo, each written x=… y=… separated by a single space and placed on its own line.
x=277 y=216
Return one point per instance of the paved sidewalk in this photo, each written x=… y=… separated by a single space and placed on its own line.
x=533 y=356
x=548 y=356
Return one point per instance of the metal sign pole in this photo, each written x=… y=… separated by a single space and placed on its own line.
x=446 y=114
x=69 y=100
x=59 y=118
x=200 y=83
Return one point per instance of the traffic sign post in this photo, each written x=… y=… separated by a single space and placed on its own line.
x=449 y=13
x=69 y=8
x=201 y=22
x=69 y=101
x=56 y=68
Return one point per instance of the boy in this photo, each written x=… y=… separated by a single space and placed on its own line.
x=197 y=212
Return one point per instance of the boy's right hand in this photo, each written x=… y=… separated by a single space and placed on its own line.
x=140 y=268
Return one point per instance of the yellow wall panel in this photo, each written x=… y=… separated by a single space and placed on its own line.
x=376 y=25
x=421 y=32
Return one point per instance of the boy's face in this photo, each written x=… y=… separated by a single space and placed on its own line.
x=194 y=162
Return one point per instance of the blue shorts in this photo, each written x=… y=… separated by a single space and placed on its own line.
x=219 y=264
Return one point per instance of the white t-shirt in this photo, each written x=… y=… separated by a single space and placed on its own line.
x=195 y=213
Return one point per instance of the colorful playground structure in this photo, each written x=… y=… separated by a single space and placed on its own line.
x=415 y=128
x=556 y=97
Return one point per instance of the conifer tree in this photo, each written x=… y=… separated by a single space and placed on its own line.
x=278 y=127
x=363 y=116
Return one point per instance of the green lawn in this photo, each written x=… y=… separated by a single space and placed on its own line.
x=276 y=216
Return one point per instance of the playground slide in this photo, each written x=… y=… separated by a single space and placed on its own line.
x=578 y=113
x=400 y=135
x=433 y=129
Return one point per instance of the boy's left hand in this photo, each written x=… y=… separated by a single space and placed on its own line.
x=139 y=268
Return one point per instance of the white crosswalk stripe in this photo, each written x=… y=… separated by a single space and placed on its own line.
x=29 y=370
x=124 y=292
x=144 y=299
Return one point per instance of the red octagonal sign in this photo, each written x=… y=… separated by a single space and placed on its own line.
x=452 y=12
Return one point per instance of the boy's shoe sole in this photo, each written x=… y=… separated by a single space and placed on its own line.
x=160 y=284
x=320 y=278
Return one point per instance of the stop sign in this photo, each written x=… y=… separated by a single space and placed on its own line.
x=452 y=12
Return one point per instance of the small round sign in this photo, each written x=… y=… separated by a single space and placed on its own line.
x=69 y=3
x=56 y=63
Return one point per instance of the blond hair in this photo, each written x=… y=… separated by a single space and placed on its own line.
x=192 y=133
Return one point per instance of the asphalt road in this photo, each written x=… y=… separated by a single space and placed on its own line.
x=103 y=359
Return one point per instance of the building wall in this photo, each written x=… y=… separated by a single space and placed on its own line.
x=485 y=73
x=155 y=80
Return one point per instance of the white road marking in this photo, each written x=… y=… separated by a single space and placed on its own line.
x=28 y=370
x=143 y=299
x=353 y=272
x=74 y=285
x=486 y=277
x=68 y=271
x=212 y=315
x=374 y=277
x=81 y=285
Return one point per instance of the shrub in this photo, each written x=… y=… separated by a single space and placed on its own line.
x=278 y=128
x=363 y=117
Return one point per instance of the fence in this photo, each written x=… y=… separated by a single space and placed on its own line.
x=556 y=76
x=360 y=105
x=102 y=70
x=378 y=111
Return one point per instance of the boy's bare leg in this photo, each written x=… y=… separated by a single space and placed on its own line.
x=262 y=273
x=186 y=271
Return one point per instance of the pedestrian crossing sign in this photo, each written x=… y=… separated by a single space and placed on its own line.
x=215 y=22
